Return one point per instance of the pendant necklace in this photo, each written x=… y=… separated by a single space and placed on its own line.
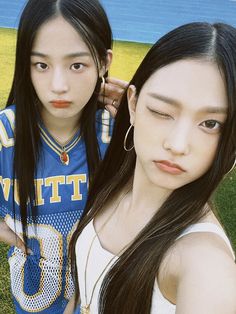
x=61 y=150
x=64 y=156
x=85 y=309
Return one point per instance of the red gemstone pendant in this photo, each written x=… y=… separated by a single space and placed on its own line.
x=64 y=158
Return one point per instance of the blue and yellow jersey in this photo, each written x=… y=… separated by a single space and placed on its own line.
x=41 y=282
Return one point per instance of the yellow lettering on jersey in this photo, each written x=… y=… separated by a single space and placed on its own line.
x=106 y=138
x=6 y=184
x=54 y=182
x=76 y=180
x=5 y=141
x=38 y=185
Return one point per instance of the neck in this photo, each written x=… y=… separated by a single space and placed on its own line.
x=147 y=197
x=62 y=129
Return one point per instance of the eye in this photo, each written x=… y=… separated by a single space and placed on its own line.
x=211 y=125
x=160 y=114
x=77 y=66
x=41 y=66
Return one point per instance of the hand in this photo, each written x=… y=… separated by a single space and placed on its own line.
x=70 y=306
x=114 y=90
x=10 y=238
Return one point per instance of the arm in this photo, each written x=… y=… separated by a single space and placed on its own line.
x=9 y=237
x=70 y=306
x=207 y=276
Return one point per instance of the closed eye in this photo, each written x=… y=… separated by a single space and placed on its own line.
x=160 y=114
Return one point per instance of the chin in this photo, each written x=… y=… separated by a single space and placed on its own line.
x=167 y=182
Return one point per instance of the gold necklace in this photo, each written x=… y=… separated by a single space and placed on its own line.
x=64 y=156
x=85 y=309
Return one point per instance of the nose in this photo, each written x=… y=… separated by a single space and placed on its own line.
x=59 y=83
x=177 y=141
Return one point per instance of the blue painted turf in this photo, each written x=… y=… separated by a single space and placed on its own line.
x=144 y=21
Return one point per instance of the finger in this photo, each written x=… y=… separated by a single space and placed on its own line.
x=114 y=90
x=9 y=237
x=104 y=100
x=14 y=240
x=20 y=244
x=17 y=242
x=112 y=110
x=108 y=101
x=115 y=81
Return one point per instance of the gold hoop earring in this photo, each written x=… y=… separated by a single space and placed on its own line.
x=125 y=139
x=234 y=164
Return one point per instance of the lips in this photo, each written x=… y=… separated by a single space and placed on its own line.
x=169 y=167
x=60 y=103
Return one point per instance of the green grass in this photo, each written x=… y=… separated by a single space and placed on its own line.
x=225 y=200
x=126 y=58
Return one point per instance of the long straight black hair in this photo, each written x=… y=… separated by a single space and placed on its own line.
x=128 y=286
x=90 y=21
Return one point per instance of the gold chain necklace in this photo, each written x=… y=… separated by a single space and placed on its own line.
x=85 y=309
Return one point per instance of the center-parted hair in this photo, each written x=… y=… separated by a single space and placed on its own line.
x=89 y=19
x=128 y=286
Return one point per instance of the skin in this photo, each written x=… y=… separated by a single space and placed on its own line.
x=163 y=131
x=111 y=94
x=62 y=68
x=184 y=128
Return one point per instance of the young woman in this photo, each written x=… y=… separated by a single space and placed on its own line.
x=149 y=241
x=52 y=137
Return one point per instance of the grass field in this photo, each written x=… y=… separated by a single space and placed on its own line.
x=126 y=58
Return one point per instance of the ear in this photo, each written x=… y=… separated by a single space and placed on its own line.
x=105 y=67
x=132 y=101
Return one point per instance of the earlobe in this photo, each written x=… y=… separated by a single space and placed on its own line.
x=132 y=100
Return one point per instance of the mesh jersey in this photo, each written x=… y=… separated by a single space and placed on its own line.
x=41 y=282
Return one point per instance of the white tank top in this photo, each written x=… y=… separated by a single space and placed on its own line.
x=99 y=259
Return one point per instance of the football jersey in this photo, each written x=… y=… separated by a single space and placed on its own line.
x=42 y=282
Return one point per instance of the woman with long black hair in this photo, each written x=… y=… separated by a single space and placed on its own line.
x=52 y=138
x=149 y=241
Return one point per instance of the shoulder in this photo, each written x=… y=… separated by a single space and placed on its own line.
x=205 y=274
x=7 y=115
x=7 y=125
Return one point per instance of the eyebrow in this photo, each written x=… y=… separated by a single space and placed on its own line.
x=69 y=56
x=176 y=103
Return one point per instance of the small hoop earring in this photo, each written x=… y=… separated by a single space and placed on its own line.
x=234 y=164
x=103 y=80
x=125 y=139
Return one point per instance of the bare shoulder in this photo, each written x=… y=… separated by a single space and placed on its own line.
x=204 y=274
